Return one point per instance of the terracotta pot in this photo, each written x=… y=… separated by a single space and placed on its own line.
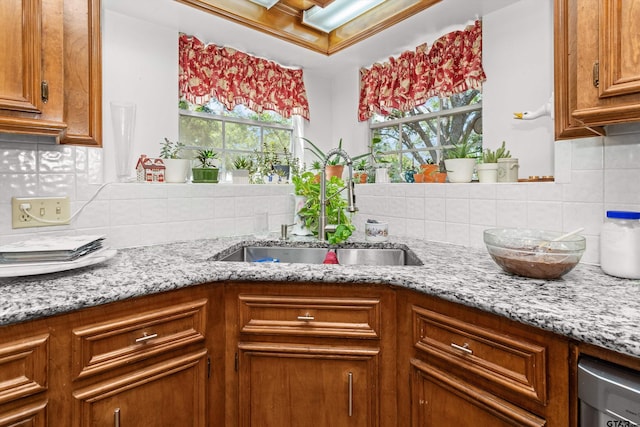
x=440 y=177
x=334 y=170
x=418 y=177
x=360 y=177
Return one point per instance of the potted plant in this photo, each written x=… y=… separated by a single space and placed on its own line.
x=361 y=174
x=488 y=169
x=428 y=170
x=176 y=168
x=206 y=172
x=241 y=165
x=305 y=185
x=334 y=166
x=460 y=162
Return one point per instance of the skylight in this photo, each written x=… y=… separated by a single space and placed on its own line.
x=337 y=13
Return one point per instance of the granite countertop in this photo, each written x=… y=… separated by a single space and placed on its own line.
x=585 y=304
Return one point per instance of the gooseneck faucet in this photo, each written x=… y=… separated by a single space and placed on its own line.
x=323 y=227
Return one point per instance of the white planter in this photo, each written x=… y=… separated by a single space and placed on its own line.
x=487 y=172
x=240 y=176
x=299 y=228
x=176 y=170
x=460 y=170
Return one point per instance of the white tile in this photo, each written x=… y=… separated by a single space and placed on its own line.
x=435 y=230
x=588 y=153
x=18 y=185
x=483 y=212
x=622 y=186
x=622 y=152
x=415 y=228
x=511 y=191
x=20 y=159
x=153 y=211
x=124 y=213
x=224 y=207
x=457 y=210
x=179 y=209
x=587 y=215
x=94 y=214
x=415 y=208
x=483 y=191
x=544 y=215
x=562 y=161
x=544 y=191
x=56 y=159
x=585 y=186
x=57 y=184
x=511 y=213
x=457 y=233
x=435 y=209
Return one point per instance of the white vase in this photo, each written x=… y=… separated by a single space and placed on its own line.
x=487 y=172
x=176 y=170
x=460 y=170
x=123 y=119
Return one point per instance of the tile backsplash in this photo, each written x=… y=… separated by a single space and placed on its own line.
x=592 y=176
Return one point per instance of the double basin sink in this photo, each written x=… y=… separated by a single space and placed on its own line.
x=314 y=255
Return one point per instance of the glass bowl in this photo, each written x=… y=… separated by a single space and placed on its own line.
x=532 y=253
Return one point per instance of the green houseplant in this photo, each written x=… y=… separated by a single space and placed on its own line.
x=461 y=160
x=206 y=172
x=241 y=165
x=176 y=168
x=488 y=169
x=306 y=185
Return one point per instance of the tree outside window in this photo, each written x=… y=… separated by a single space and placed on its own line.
x=422 y=135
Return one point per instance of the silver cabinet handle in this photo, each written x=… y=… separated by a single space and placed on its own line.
x=146 y=337
x=307 y=317
x=116 y=417
x=464 y=347
x=350 y=380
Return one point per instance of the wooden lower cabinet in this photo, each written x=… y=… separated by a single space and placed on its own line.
x=167 y=394
x=286 y=385
x=439 y=399
x=311 y=355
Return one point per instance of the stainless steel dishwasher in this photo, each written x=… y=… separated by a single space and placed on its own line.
x=609 y=394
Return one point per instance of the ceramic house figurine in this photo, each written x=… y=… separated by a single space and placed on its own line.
x=149 y=170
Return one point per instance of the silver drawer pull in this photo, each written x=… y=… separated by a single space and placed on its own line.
x=307 y=318
x=146 y=337
x=464 y=347
x=350 y=401
x=116 y=417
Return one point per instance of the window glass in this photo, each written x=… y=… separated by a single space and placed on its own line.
x=404 y=140
x=240 y=132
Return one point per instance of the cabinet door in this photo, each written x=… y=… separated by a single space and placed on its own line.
x=439 y=399
x=31 y=67
x=168 y=394
x=607 y=36
x=304 y=385
x=82 y=73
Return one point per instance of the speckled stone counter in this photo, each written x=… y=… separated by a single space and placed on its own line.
x=585 y=304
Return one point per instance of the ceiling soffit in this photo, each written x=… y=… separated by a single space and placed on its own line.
x=284 y=20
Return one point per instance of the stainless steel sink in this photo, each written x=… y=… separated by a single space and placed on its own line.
x=346 y=256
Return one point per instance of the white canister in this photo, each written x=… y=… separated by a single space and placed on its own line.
x=508 y=170
x=620 y=244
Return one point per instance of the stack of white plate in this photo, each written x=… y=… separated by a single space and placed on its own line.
x=52 y=253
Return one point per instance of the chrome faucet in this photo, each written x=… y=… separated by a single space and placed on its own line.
x=323 y=227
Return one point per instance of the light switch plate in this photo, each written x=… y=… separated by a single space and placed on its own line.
x=51 y=211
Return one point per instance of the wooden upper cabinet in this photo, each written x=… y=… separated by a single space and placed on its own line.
x=597 y=65
x=50 y=62
x=82 y=73
x=31 y=68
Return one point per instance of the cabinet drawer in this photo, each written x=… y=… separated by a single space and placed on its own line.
x=23 y=367
x=118 y=341
x=512 y=363
x=310 y=316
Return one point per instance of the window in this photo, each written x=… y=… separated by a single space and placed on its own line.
x=423 y=134
x=240 y=132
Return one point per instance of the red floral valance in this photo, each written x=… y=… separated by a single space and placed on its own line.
x=235 y=78
x=452 y=65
